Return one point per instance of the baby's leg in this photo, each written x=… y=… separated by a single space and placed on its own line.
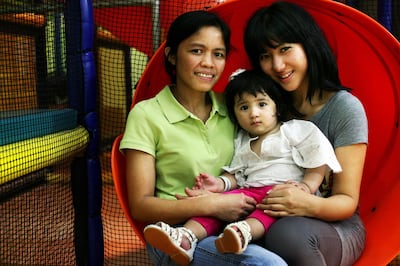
x=236 y=236
x=197 y=229
x=259 y=223
x=257 y=229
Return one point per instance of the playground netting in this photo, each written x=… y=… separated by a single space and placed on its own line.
x=68 y=72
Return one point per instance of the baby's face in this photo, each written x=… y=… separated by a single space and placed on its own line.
x=256 y=114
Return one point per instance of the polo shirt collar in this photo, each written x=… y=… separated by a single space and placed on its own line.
x=175 y=112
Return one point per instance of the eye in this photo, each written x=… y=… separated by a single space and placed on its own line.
x=262 y=104
x=264 y=56
x=196 y=51
x=219 y=54
x=285 y=49
x=243 y=107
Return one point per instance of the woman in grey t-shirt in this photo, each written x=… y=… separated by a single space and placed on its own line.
x=285 y=42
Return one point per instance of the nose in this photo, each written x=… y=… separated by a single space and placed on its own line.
x=207 y=60
x=254 y=112
x=278 y=63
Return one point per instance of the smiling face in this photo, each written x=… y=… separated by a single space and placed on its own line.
x=256 y=114
x=287 y=65
x=200 y=60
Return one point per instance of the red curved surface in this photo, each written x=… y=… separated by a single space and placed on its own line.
x=119 y=178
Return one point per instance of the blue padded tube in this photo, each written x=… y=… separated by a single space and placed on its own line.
x=385 y=13
x=94 y=196
x=82 y=97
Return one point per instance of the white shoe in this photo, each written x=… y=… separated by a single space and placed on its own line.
x=169 y=239
x=234 y=239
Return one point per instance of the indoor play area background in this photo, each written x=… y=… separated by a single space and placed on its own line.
x=68 y=72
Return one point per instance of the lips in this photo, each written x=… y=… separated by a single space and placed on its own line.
x=204 y=75
x=255 y=123
x=285 y=76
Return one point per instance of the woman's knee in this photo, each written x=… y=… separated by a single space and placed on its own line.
x=289 y=235
x=302 y=240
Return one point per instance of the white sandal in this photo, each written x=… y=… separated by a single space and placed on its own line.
x=230 y=241
x=168 y=239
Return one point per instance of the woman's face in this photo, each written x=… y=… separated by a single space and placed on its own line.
x=200 y=60
x=287 y=65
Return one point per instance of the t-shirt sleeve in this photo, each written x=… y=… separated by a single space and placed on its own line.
x=139 y=132
x=343 y=120
x=310 y=147
x=351 y=125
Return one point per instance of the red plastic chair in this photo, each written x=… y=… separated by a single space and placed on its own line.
x=369 y=63
x=119 y=177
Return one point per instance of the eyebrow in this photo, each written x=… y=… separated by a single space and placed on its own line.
x=238 y=100
x=203 y=45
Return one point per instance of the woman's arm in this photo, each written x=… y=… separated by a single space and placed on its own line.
x=346 y=185
x=285 y=200
x=146 y=207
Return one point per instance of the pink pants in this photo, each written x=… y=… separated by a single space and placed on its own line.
x=213 y=225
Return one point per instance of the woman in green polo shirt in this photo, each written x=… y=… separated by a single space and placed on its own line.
x=182 y=131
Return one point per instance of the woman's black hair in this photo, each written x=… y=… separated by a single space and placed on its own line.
x=188 y=24
x=253 y=82
x=284 y=22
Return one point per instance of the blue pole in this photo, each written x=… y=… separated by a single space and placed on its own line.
x=94 y=196
x=351 y=3
x=385 y=13
x=81 y=82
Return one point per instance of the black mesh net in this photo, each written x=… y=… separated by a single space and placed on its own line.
x=41 y=135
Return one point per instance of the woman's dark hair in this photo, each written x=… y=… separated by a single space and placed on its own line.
x=188 y=24
x=284 y=22
x=253 y=82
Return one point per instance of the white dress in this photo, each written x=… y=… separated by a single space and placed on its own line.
x=285 y=155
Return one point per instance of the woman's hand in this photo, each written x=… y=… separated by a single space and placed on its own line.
x=191 y=193
x=232 y=207
x=226 y=207
x=286 y=200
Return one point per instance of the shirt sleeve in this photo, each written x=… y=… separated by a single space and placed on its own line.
x=351 y=124
x=310 y=147
x=343 y=120
x=139 y=133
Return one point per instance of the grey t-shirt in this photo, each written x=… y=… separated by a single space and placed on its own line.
x=344 y=122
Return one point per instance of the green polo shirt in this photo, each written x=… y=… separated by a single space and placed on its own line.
x=182 y=144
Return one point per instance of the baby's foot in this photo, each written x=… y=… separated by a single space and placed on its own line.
x=179 y=243
x=234 y=239
x=185 y=243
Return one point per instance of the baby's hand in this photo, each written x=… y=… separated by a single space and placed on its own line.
x=197 y=192
x=207 y=182
x=300 y=185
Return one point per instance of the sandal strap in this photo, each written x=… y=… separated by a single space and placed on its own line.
x=174 y=233
x=189 y=234
x=169 y=240
x=177 y=233
x=244 y=229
